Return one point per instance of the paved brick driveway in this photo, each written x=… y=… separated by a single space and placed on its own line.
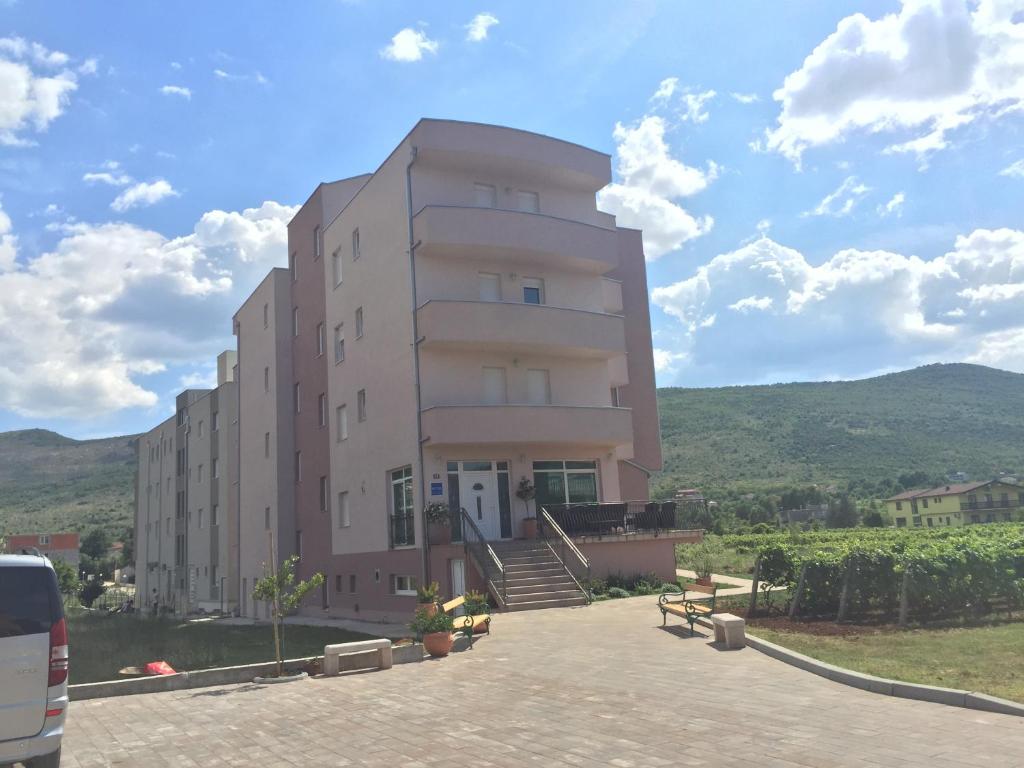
x=603 y=685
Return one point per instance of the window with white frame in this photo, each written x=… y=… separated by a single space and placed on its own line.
x=319 y=339
x=495 y=391
x=565 y=482
x=339 y=343
x=538 y=386
x=361 y=405
x=400 y=503
x=529 y=202
x=344 y=515
x=200 y=427
x=356 y=252
x=490 y=286
x=295 y=321
x=214 y=421
x=316 y=243
x=214 y=468
x=341 y=414
x=403 y=585
x=485 y=195
x=336 y=266
x=321 y=403
x=359 y=322
x=533 y=290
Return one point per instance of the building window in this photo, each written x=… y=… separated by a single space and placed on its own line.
x=316 y=243
x=266 y=445
x=266 y=315
x=352 y=583
x=319 y=339
x=199 y=517
x=266 y=518
x=359 y=322
x=538 y=386
x=297 y=397
x=201 y=428
x=401 y=508
x=917 y=521
x=181 y=417
x=214 y=468
x=495 y=391
x=215 y=421
x=924 y=503
x=356 y=253
x=485 y=195
x=293 y=265
x=615 y=397
x=533 y=290
x=199 y=474
x=344 y=516
x=298 y=466
x=266 y=379
x=298 y=544
x=341 y=414
x=339 y=343
x=295 y=321
x=403 y=585
x=901 y=522
x=44 y=540
x=337 y=582
x=323 y=493
x=321 y=403
x=490 y=286
x=529 y=202
x=565 y=482
x=215 y=515
x=899 y=506
x=361 y=405
x=336 y=266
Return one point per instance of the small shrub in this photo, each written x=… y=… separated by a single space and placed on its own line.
x=425 y=624
x=617 y=592
x=673 y=589
x=428 y=592
x=92 y=590
x=597 y=586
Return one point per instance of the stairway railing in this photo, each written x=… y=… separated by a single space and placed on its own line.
x=562 y=547
x=487 y=560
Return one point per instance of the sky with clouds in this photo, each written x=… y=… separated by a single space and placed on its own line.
x=827 y=190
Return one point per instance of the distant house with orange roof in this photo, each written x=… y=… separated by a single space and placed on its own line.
x=56 y=546
x=989 y=501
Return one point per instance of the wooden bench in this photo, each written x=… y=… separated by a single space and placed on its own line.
x=691 y=608
x=466 y=624
x=333 y=654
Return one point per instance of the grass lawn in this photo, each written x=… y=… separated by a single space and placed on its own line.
x=102 y=644
x=731 y=563
x=985 y=659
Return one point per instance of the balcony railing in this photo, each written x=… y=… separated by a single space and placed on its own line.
x=966 y=506
x=402 y=530
x=598 y=519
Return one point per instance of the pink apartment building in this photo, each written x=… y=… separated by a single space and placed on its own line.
x=459 y=322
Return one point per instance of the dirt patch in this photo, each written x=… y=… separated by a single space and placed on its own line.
x=820 y=628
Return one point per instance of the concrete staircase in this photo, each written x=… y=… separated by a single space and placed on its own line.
x=535 y=578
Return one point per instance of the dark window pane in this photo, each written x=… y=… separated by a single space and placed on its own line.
x=28 y=601
x=581 y=465
x=504 y=506
x=548 y=465
x=582 y=488
x=550 y=488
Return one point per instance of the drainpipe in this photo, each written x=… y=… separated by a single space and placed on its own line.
x=425 y=564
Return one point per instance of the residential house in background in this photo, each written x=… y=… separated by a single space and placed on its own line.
x=459 y=322
x=56 y=546
x=957 y=504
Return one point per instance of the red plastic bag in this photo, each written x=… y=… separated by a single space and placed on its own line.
x=158 y=668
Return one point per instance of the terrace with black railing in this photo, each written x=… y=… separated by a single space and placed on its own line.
x=622 y=517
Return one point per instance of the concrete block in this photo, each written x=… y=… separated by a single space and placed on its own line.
x=406 y=654
x=859 y=680
x=729 y=629
x=949 y=696
x=155 y=684
x=368 y=653
x=988 y=703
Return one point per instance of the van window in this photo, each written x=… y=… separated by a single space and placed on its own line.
x=28 y=601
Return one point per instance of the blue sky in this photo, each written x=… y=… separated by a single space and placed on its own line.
x=828 y=190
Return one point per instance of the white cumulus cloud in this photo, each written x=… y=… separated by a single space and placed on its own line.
x=176 y=90
x=35 y=87
x=476 y=30
x=143 y=194
x=651 y=180
x=894 y=207
x=693 y=106
x=765 y=313
x=917 y=74
x=841 y=202
x=112 y=302
x=409 y=45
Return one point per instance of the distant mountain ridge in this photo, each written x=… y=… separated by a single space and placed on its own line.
x=49 y=482
x=935 y=419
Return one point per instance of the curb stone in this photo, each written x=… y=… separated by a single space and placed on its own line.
x=948 y=696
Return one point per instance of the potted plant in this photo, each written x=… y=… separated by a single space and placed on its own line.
x=439 y=520
x=427 y=596
x=526 y=492
x=477 y=605
x=435 y=629
x=701 y=559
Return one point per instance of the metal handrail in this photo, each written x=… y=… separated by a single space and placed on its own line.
x=566 y=543
x=481 y=542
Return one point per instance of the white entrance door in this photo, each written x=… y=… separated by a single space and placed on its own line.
x=479 y=493
x=459 y=582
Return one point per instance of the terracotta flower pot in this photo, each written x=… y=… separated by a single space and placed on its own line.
x=438 y=644
x=429 y=608
x=704 y=582
x=439 y=534
x=530 y=528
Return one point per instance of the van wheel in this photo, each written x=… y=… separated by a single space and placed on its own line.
x=51 y=760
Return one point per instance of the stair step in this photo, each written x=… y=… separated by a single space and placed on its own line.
x=538 y=604
x=545 y=578
x=540 y=595
x=530 y=589
x=518 y=571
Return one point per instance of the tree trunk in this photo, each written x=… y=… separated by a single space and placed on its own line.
x=844 y=596
x=275 y=610
x=795 y=604
x=753 y=589
x=904 y=598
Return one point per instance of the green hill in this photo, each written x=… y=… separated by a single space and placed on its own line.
x=49 y=482
x=934 y=419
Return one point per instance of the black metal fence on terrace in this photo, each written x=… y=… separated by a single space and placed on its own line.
x=599 y=519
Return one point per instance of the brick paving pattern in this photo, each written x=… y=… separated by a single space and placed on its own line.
x=596 y=686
